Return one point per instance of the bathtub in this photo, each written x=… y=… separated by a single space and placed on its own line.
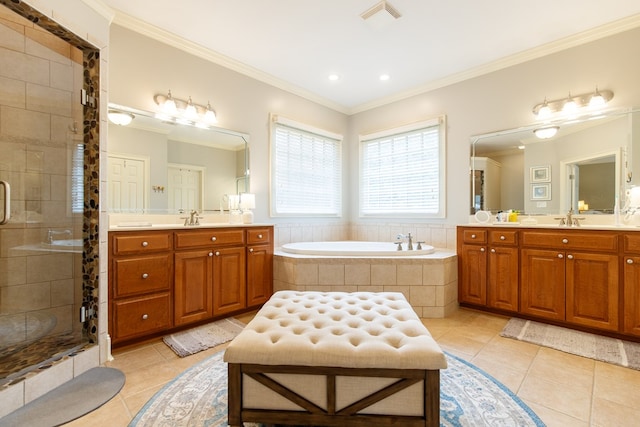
x=428 y=278
x=354 y=248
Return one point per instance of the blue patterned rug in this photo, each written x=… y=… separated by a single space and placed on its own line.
x=469 y=397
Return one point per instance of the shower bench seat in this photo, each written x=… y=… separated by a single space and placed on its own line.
x=335 y=359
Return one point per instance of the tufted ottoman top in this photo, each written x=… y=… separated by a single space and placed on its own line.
x=337 y=329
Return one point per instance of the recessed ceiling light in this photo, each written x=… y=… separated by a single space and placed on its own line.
x=334 y=77
x=384 y=77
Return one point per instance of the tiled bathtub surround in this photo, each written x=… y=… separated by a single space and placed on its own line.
x=429 y=282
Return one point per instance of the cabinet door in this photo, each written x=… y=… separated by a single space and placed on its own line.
x=259 y=274
x=193 y=286
x=502 y=283
x=542 y=287
x=631 y=295
x=592 y=290
x=473 y=283
x=229 y=284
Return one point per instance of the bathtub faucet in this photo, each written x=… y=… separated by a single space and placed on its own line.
x=409 y=240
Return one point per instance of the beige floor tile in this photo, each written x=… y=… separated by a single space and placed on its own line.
x=563 y=373
x=553 y=418
x=113 y=414
x=610 y=414
x=507 y=376
x=569 y=399
x=514 y=354
x=622 y=388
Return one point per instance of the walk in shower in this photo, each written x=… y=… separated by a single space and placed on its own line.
x=48 y=288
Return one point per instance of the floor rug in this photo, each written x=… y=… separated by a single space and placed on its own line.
x=606 y=349
x=203 y=337
x=468 y=398
x=71 y=400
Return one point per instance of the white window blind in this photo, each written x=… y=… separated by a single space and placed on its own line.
x=306 y=171
x=77 y=179
x=402 y=172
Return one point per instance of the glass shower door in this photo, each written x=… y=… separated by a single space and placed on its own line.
x=41 y=200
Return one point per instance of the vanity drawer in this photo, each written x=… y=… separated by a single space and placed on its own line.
x=571 y=240
x=139 y=316
x=503 y=237
x=258 y=235
x=210 y=237
x=474 y=235
x=134 y=242
x=143 y=274
x=632 y=242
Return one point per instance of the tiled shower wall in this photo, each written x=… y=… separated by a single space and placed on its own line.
x=40 y=78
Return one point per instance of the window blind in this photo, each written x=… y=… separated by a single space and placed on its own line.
x=401 y=173
x=306 y=172
x=77 y=179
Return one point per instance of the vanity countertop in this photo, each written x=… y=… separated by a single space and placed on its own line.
x=621 y=227
x=137 y=226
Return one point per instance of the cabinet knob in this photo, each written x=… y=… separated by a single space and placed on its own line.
x=210 y=253
x=145 y=316
x=481 y=249
x=217 y=253
x=629 y=261
x=502 y=237
x=250 y=249
x=560 y=256
x=214 y=238
x=145 y=275
x=565 y=240
x=259 y=236
x=570 y=256
x=145 y=244
x=493 y=251
x=473 y=236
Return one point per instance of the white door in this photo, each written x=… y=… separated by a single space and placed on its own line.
x=126 y=184
x=185 y=187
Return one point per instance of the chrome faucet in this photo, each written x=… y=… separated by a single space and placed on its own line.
x=570 y=220
x=409 y=240
x=192 y=219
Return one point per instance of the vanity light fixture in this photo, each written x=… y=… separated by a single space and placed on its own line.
x=546 y=132
x=120 y=117
x=573 y=104
x=185 y=112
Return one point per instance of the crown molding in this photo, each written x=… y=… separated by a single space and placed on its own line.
x=172 y=39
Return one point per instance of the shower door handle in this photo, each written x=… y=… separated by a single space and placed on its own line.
x=7 y=202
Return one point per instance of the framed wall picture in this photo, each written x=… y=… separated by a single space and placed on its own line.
x=541 y=173
x=541 y=191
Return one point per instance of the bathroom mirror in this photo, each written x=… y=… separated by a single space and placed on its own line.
x=586 y=165
x=156 y=166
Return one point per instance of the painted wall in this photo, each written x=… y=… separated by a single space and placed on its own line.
x=498 y=100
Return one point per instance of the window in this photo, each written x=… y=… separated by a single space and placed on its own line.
x=402 y=171
x=306 y=175
x=77 y=179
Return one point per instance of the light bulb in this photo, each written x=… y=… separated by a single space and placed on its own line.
x=190 y=112
x=570 y=106
x=597 y=100
x=544 y=112
x=169 y=105
x=210 y=115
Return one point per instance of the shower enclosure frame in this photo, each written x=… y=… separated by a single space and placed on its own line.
x=90 y=131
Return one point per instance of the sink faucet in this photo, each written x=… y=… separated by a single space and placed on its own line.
x=192 y=219
x=409 y=240
x=570 y=220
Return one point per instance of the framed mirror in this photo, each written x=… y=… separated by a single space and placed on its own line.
x=587 y=165
x=156 y=166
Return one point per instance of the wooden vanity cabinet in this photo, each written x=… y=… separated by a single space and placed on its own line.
x=489 y=268
x=259 y=266
x=572 y=277
x=631 y=284
x=162 y=280
x=209 y=281
x=566 y=276
x=140 y=284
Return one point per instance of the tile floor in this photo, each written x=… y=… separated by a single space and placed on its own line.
x=564 y=390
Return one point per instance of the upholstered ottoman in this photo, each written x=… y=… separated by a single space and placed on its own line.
x=335 y=359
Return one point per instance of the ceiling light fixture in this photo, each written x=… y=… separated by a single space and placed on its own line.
x=334 y=77
x=380 y=15
x=546 y=132
x=384 y=77
x=120 y=118
x=573 y=104
x=185 y=112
